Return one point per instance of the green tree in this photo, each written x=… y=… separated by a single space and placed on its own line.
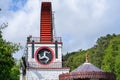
x=111 y=60
x=74 y=59
x=117 y=66
x=105 y=54
x=6 y=60
x=15 y=72
x=98 y=50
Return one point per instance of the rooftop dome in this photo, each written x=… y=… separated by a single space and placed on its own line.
x=87 y=71
x=87 y=67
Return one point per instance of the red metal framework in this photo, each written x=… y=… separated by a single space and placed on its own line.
x=46 y=34
x=46 y=27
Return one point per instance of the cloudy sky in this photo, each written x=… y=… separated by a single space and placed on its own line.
x=78 y=22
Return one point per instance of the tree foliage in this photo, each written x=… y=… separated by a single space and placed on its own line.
x=6 y=60
x=73 y=60
x=105 y=54
x=15 y=72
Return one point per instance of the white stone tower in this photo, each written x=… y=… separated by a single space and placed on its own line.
x=43 y=59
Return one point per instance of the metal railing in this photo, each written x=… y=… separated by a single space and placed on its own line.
x=37 y=39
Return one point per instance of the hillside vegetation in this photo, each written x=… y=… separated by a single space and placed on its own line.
x=105 y=54
x=9 y=69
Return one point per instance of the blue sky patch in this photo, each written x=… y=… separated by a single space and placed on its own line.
x=17 y=4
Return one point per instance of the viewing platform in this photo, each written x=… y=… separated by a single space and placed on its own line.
x=37 y=40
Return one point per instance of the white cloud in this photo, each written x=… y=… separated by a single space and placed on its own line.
x=79 y=22
x=23 y=23
x=83 y=20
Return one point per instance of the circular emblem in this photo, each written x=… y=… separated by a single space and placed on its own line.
x=44 y=55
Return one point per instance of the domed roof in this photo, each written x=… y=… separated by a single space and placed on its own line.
x=87 y=71
x=87 y=67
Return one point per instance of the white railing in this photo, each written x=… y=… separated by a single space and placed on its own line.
x=37 y=39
